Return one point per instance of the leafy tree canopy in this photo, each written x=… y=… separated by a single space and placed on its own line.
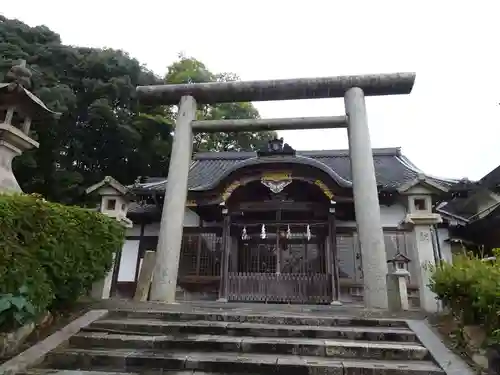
x=190 y=70
x=103 y=130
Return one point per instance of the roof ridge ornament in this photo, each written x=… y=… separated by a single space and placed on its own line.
x=276 y=147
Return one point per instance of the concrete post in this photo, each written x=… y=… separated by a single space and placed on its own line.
x=366 y=203
x=170 y=237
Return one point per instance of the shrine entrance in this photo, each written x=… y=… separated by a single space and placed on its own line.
x=279 y=245
x=280 y=269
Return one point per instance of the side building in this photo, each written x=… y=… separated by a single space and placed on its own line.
x=287 y=223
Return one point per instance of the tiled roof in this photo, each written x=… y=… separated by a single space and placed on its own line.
x=470 y=207
x=457 y=207
x=392 y=169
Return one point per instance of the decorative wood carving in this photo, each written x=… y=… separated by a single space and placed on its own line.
x=276 y=182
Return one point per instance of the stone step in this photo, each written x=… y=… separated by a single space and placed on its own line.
x=279 y=345
x=142 y=360
x=161 y=327
x=297 y=346
x=44 y=371
x=41 y=371
x=267 y=318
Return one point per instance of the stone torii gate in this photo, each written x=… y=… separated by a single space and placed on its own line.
x=366 y=204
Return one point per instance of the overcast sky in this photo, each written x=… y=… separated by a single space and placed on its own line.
x=448 y=126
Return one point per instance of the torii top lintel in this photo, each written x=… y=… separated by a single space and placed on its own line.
x=282 y=89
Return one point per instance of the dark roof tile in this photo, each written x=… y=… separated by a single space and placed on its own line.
x=391 y=168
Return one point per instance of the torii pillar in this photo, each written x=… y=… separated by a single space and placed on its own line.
x=352 y=88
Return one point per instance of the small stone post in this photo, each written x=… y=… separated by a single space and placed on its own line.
x=397 y=283
x=366 y=203
x=170 y=237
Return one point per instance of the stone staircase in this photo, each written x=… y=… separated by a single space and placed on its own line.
x=153 y=342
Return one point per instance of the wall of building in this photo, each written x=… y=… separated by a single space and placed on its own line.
x=130 y=250
x=391 y=216
x=347 y=245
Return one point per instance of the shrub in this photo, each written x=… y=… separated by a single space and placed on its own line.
x=15 y=310
x=57 y=251
x=470 y=287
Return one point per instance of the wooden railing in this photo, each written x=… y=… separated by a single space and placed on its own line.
x=284 y=288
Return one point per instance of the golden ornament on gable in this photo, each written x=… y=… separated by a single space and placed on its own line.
x=230 y=189
x=324 y=188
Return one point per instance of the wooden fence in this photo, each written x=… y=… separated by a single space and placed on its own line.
x=279 y=288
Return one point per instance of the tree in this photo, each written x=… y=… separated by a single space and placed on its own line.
x=102 y=130
x=191 y=70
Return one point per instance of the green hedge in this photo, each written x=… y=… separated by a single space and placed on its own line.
x=56 y=251
x=470 y=287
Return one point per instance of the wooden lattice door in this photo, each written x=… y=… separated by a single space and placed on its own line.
x=280 y=269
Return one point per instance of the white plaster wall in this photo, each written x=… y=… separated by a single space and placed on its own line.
x=391 y=216
x=191 y=218
x=128 y=261
x=443 y=236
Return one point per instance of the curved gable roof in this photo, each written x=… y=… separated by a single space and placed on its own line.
x=392 y=169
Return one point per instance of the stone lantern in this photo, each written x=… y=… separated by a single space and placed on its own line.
x=115 y=199
x=397 y=282
x=114 y=203
x=18 y=106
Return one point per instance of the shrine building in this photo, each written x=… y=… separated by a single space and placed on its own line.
x=286 y=221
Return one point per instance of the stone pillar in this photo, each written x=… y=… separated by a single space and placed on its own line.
x=332 y=258
x=226 y=249
x=422 y=224
x=398 y=290
x=366 y=203
x=102 y=288
x=170 y=237
x=425 y=257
